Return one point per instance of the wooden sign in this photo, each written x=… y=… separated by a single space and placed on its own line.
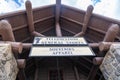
x=60 y=46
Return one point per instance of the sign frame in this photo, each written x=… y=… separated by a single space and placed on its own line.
x=59 y=46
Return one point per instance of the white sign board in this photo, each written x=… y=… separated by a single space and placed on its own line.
x=61 y=51
x=60 y=46
x=59 y=41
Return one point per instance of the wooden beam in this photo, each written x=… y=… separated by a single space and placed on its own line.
x=76 y=73
x=27 y=45
x=111 y=33
x=58 y=30
x=94 y=45
x=21 y=63
x=30 y=19
x=29 y=16
x=57 y=18
x=104 y=46
x=97 y=60
x=6 y=31
x=86 y=21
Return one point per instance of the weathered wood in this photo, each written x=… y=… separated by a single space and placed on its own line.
x=29 y=16
x=21 y=63
x=34 y=33
x=111 y=33
x=104 y=46
x=36 y=74
x=27 y=45
x=30 y=19
x=16 y=46
x=58 y=30
x=93 y=72
x=86 y=20
x=76 y=73
x=97 y=60
x=57 y=18
x=6 y=31
x=58 y=9
x=94 y=45
x=21 y=74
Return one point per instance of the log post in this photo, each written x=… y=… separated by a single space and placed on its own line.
x=104 y=46
x=111 y=33
x=57 y=18
x=27 y=45
x=30 y=19
x=97 y=60
x=93 y=72
x=76 y=73
x=86 y=21
x=21 y=63
x=21 y=74
x=6 y=31
x=94 y=45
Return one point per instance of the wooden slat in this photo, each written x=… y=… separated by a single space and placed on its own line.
x=43 y=19
x=19 y=27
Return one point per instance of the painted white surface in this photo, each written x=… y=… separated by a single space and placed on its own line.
x=60 y=51
x=60 y=46
x=59 y=41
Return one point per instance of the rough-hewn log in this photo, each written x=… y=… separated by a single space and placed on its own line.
x=93 y=72
x=21 y=63
x=57 y=18
x=29 y=16
x=16 y=46
x=104 y=46
x=58 y=30
x=109 y=37
x=76 y=73
x=27 y=45
x=111 y=33
x=21 y=74
x=86 y=20
x=57 y=14
x=30 y=19
x=97 y=60
x=34 y=33
x=6 y=31
x=94 y=45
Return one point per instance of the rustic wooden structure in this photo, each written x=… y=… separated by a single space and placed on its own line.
x=86 y=21
x=8 y=37
x=56 y=19
x=109 y=37
x=30 y=19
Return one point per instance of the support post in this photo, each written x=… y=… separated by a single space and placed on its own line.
x=76 y=73
x=57 y=18
x=111 y=33
x=30 y=19
x=86 y=21
x=6 y=31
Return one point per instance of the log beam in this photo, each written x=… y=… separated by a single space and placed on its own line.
x=97 y=60
x=57 y=18
x=111 y=33
x=86 y=21
x=30 y=19
x=21 y=63
x=104 y=46
x=6 y=31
